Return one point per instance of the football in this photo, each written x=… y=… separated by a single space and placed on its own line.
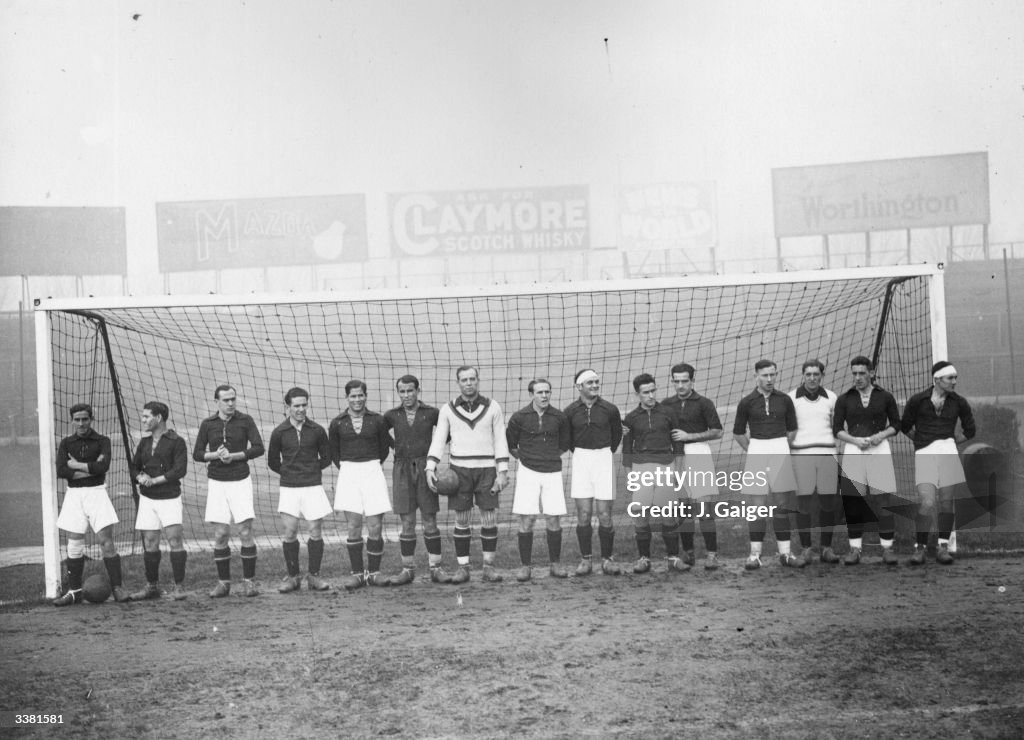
x=96 y=589
x=447 y=482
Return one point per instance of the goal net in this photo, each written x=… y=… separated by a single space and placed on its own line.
x=118 y=354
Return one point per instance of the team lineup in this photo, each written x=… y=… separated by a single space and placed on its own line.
x=808 y=441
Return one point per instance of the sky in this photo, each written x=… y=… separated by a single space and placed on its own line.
x=115 y=103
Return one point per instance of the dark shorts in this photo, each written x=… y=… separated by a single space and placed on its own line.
x=409 y=488
x=474 y=483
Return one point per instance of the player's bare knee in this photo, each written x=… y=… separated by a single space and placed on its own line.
x=409 y=525
x=245 y=534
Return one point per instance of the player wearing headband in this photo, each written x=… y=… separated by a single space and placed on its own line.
x=771 y=419
x=929 y=419
x=699 y=424
x=595 y=431
x=537 y=436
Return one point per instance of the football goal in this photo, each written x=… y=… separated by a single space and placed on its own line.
x=119 y=353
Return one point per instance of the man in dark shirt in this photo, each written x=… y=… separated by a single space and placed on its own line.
x=595 y=431
x=647 y=455
x=929 y=419
x=537 y=436
x=83 y=460
x=159 y=464
x=226 y=442
x=299 y=451
x=412 y=424
x=864 y=419
x=699 y=424
x=360 y=443
x=771 y=418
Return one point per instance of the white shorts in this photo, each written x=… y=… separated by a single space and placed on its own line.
x=84 y=508
x=158 y=513
x=697 y=465
x=770 y=457
x=229 y=501
x=308 y=502
x=592 y=474
x=816 y=469
x=362 y=489
x=871 y=467
x=938 y=464
x=538 y=493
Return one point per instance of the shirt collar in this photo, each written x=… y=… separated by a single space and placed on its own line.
x=472 y=405
x=802 y=392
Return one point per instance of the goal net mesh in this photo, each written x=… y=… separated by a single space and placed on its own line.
x=179 y=354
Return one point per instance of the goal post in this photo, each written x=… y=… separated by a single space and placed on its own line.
x=119 y=353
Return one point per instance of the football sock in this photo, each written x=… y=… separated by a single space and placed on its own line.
x=755 y=547
x=526 y=548
x=945 y=524
x=585 y=537
x=315 y=552
x=113 y=566
x=884 y=541
x=462 y=537
x=248 y=561
x=784 y=546
x=407 y=546
x=178 y=558
x=856 y=542
x=76 y=566
x=374 y=553
x=222 y=557
x=291 y=557
x=924 y=526
x=433 y=544
x=643 y=543
x=355 y=555
x=709 y=530
x=803 y=526
x=151 y=561
x=671 y=538
x=826 y=520
x=780 y=525
x=757 y=529
x=489 y=543
x=554 y=545
x=606 y=536
x=686 y=534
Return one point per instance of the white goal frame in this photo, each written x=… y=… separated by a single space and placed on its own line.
x=44 y=355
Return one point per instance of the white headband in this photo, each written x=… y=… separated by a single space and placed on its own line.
x=944 y=372
x=587 y=375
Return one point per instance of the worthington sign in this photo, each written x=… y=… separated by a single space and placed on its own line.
x=882 y=195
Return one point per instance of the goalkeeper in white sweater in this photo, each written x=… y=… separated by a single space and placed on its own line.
x=475 y=425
